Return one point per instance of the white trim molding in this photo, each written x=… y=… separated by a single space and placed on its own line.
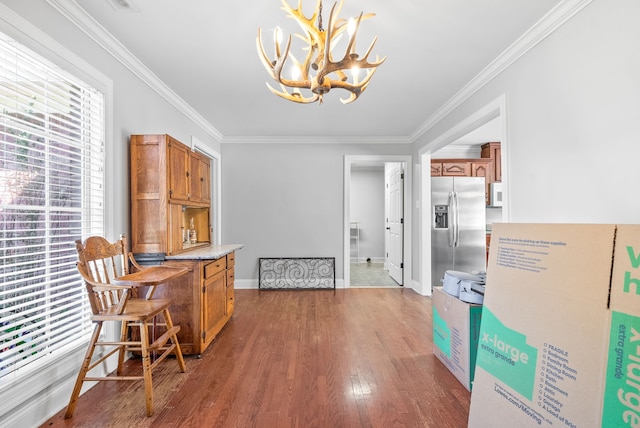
x=350 y=160
x=497 y=109
x=319 y=140
x=216 y=186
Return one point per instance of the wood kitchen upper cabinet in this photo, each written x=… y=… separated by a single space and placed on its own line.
x=465 y=168
x=487 y=166
x=493 y=151
x=162 y=206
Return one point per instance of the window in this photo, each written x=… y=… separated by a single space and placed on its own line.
x=51 y=194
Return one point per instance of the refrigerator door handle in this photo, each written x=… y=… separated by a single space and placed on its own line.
x=452 y=219
x=456 y=220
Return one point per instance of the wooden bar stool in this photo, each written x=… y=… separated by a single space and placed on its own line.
x=111 y=287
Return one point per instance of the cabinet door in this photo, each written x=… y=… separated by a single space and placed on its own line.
x=214 y=299
x=175 y=232
x=436 y=168
x=178 y=171
x=148 y=207
x=456 y=169
x=199 y=175
x=497 y=162
x=483 y=168
x=214 y=308
x=205 y=180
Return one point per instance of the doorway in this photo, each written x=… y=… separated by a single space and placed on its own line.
x=496 y=110
x=366 y=238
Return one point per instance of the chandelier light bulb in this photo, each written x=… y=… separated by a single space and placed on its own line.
x=277 y=35
x=351 y=27
x=355 y=73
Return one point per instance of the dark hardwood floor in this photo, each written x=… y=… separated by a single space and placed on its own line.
x=312 y=358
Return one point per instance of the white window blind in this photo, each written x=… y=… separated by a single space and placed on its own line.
x=51 y=193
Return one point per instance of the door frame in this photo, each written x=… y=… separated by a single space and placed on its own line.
x=216 y=187
x=496 y=109
x=349 y=161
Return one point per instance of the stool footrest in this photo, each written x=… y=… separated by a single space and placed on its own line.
x=162 y=340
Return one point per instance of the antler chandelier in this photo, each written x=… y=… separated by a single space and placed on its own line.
x=319 y=72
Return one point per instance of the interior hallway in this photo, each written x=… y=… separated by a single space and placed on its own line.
x=370 y=275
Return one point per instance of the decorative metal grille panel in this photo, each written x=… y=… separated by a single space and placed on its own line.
x=297 y=273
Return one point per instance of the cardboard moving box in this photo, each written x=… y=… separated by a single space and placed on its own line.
x=560 y=333
x=456 y=328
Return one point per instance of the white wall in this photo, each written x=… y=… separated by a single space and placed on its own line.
x=573 y=121
x=367 y=207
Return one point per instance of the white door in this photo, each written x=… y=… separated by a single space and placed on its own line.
x=395 y=219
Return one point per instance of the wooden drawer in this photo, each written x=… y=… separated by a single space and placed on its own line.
x=210 y=269
x=231 y=260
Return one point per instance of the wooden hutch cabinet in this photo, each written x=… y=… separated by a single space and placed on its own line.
x=165 y=198
x=170 y=198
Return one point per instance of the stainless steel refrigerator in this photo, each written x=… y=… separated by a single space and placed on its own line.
x=458 y=226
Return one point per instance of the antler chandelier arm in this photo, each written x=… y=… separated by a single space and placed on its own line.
x=355 y=89
x=274 y=68
x=350 y=59
x=295 y=96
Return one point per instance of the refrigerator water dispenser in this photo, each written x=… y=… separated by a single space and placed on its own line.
x=441 y=216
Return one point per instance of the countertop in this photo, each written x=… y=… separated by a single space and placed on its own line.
x=210 y=252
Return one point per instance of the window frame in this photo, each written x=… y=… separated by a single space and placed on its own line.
x=32 y=394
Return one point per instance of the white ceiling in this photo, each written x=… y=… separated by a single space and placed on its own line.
x=205 y=51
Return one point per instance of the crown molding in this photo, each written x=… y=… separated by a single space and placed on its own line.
x=316 y=140
x=74 y=13
x=555 y=18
